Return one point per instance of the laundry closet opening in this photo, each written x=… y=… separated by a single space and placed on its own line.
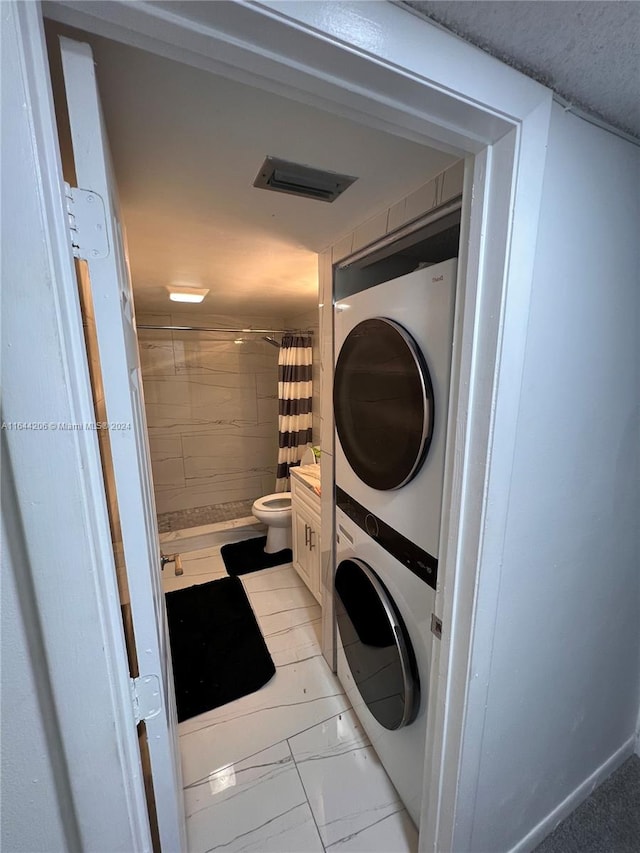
x=187 y=146
x=427 y=241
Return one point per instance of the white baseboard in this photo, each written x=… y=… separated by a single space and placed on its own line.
x=549 y=823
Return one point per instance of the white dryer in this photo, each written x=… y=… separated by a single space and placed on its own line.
x=383 y=612
x=393 y=346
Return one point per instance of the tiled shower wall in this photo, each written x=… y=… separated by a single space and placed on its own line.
x=212 y=410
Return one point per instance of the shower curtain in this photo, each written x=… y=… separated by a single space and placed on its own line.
x=294 y=404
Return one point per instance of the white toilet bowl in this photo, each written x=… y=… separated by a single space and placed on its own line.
x=275 y=511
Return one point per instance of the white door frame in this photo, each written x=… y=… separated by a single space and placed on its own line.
x=383 y=66
x=69 y=601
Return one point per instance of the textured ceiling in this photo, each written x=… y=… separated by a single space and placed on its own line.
x=587 y=52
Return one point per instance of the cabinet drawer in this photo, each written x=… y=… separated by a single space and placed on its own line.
x=305 y=496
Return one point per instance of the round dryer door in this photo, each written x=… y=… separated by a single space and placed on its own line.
x=376 y=645
x=383 y=403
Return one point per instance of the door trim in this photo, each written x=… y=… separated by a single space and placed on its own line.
x=92 y=736
x=383 y=66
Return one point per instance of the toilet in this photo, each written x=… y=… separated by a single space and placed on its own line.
x=275 y=511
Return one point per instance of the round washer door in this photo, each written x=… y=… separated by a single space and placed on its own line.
x=376 y=645
x=383 y=403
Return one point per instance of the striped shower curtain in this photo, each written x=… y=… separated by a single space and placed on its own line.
x=294 y=404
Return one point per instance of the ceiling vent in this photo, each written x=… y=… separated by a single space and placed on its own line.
x=281 y=176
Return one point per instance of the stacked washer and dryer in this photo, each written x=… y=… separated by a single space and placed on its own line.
x=393 y=345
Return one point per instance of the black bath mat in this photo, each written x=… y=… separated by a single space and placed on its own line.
x=249 y=556
x=217 y=649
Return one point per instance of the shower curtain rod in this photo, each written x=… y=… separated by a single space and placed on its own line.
x=232 y=331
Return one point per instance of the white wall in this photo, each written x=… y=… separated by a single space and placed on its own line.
x=31 y=750
x=28 y=783
x=564 y=683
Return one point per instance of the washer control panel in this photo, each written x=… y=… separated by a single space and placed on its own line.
x=371 y=526
x=418 y=561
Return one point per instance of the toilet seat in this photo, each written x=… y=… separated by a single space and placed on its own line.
x=276 y=502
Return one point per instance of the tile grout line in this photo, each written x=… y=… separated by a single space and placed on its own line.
x=275 y=743
x=295 y=764
x=364 y=828
x=321 y=757
x=271 y=708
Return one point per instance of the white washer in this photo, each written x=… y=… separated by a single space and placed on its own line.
x=383 y=612
x=393 y=345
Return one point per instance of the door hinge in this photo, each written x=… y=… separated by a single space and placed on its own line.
x=436 y=626
x=87 y=223
x=146 y=697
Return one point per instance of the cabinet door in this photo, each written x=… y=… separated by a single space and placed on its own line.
x=301 y=553
x=314 y=558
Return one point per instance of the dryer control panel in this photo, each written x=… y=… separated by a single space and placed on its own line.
x=418 y=561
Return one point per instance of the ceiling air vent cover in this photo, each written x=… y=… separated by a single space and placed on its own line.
x=281 y=176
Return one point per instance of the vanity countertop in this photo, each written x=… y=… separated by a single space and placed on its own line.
x=309 y=475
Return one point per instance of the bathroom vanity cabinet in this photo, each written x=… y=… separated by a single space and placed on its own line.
x=305 y=523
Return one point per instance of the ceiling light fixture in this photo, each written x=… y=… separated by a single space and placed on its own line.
x=187 y=294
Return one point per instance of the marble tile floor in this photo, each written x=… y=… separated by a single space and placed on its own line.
x=287 y=769
x=201 y=515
